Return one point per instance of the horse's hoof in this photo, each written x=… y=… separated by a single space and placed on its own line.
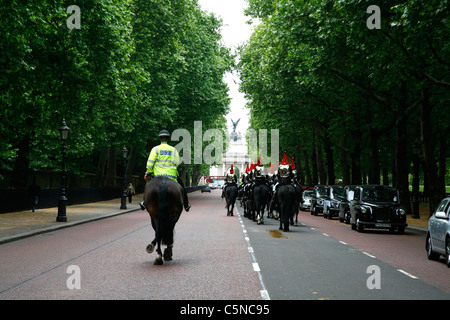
x=158 y=261
x=150 y=248
x=168 y=254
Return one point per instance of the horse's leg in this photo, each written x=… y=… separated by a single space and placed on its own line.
x=262 y=214
x=232 y=208
x=151 y=246
x=158 y=260
x=168 y=253
x=259 y=216
x=157 y=243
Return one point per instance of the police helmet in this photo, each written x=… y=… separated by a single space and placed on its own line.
x=164 y=134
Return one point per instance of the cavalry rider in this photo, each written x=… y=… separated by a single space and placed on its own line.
x=259 y=173
x=163 y=161
x=244 y=181
x=231 y=179
x=284 y=175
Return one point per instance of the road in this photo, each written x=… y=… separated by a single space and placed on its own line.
x=217 y=257
x=323 y=259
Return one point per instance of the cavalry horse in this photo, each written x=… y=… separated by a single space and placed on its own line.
x=163 y=199
x=231 y=193
x=260 y=197
x=286 y=201
x=298 y=199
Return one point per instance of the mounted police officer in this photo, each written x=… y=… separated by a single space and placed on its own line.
x=163 y=161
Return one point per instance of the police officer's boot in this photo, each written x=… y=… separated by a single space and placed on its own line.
x=186 y=203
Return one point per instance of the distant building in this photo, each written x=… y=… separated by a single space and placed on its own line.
x=235 y=154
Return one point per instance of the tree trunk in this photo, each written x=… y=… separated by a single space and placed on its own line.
x=428 y=147
x=100 y=174
x=319 y=158
x=309 y=181
x=442 y=159
x=19 y=177
x=401 y=163
x=374 y=170
x=330 y=160
x=130 y=165
x=356 y=158
x=111 y=168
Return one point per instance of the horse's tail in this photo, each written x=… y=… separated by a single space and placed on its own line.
x=286 y=206
x=165 y=227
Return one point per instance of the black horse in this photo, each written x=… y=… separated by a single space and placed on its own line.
x=231 y=193
x=286 y=202
x=163 y=199
x=260 y=197
x=298 y=199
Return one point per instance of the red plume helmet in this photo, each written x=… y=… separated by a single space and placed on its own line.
x=285 y=160
x=231 y=170
x=292 y=164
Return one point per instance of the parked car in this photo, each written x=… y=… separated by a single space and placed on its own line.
x=344 y=208
x=331 y=202
x=438 y=235
x=206 y=188
x=377 y=206
x=319 y=192
x=306 y=200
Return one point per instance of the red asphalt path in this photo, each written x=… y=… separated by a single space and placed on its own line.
x=211 y=260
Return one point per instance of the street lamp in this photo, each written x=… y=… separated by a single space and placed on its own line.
x=415 y=185
x=62 y=201
x=123 y=202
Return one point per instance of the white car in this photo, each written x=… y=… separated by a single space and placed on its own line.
x=438 y=235
x=306 y=203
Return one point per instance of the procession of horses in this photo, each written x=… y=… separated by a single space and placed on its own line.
x=277 y=193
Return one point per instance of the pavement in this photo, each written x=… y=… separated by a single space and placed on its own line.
x=22 y=224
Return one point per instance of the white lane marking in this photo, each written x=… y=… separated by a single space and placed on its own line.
x=369 y=255
x=264 y=293
x=408 y=274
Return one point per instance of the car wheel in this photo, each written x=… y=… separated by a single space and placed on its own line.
x=359 y=226
x=431 y=255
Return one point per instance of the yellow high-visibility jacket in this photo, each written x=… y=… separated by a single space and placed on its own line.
x=163 y=161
